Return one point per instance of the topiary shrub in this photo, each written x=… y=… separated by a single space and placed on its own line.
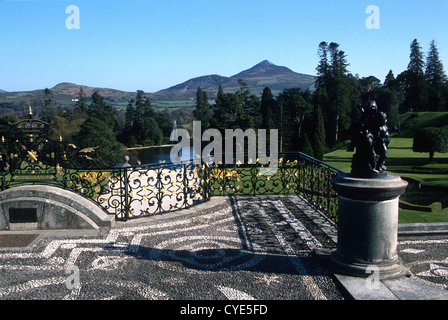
x=431 y=140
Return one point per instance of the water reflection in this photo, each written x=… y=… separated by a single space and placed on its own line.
x=155 y=155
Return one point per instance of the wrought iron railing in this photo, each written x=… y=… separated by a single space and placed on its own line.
x=29 y=155
x=150 y=189
x=136 y=191
x=297 y=173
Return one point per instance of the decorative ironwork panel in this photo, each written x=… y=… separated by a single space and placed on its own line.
x=152 y=189
x=30 y=154
x=296 y=173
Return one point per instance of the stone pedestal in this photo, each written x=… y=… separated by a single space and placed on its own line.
x=368 y=225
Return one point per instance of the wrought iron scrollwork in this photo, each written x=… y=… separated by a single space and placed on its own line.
x=161 y=188
x=296 y=173
x=31 y=154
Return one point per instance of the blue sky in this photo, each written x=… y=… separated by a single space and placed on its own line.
x=151 y=45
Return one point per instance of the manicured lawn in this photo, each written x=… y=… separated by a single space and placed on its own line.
x=401 y=158
x=413 y=121
x=414 y=216
x=404 y=162
x=340 y=158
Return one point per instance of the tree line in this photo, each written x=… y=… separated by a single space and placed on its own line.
x=94 y=123
x=310 y=121
x=300 y=125
x=313 y=121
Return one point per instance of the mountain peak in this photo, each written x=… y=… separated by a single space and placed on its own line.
x=65 y=85
x=263 y=74
x=265 y=63
x=263 y=69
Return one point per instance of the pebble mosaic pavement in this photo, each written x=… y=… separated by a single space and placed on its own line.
x=243 y=248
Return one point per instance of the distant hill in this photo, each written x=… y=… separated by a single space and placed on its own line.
x=277 y=78
x=65 y=93
x=71 y=89
x=265 y=70
x=263 y=74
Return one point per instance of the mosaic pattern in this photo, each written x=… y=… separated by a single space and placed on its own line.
x=243 y=250
x=430 y=266
x=254 y=248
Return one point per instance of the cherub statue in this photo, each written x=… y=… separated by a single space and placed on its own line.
x=371 y=139
x=382 y=142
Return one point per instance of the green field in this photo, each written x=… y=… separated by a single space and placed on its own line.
x=173 y=104
x=400 y=159
x=158 y=105
x=413 y=121
x=428 y=183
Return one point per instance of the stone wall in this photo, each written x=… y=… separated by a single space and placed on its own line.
x=42 y=207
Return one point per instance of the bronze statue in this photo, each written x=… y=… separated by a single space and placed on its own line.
x=371 y=140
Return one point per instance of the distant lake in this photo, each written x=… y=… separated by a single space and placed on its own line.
x=156 y=154
x=153 y=154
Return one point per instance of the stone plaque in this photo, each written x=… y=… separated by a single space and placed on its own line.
x=22 y=215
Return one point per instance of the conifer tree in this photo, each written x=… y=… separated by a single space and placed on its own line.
x=416 y=63
x=202 y=111
x=318 y=150
x=415 y=79
x=99 y=129
x=390 y=82
x=227 y=111
x=129 y=118
x=295 y=111
x=144 y=126
x=332 y=76
x=323 y=68
x=305 y=145
x=81 y=104
x=267 y=106
x=436 y=78
x=48 y=111
x=319 y=126
x=249 y=107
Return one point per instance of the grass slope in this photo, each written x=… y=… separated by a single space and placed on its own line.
x=411 y=166
x=411 y=122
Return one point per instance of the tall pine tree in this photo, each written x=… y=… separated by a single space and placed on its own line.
x=295 y=110
x=323 y=68
x=390 y=82
x=332 y=80
x=267 y=107
x=436 y=78
x=415 y=92
x=81 y=104
x=48 y=112
x=140 y=116
x=99 y=129
x=202 y=111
